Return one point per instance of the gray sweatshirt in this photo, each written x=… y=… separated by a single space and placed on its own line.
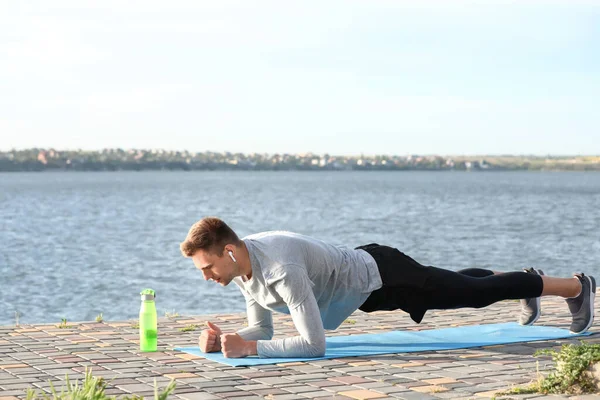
x=318 y=284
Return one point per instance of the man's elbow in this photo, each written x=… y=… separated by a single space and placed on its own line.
x=265 y=333
x=268 y=332
x=317 y=349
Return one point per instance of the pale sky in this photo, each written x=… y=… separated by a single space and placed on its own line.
x=338 y=77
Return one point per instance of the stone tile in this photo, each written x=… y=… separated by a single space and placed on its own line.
x=390 y=390
x=372 y=385
x=488 y=394
x=220 y=389
x=13 y=393
x=13 y=366
x=16 y=386
x=323 y=383
x=363 y=363
x=414 y=384
x=273 y=381
x=429 y=389
x=17 y=380
x=496 y=367
x=307 y=377
x=424 y=368
x=135 y=388
x=238 y=395
x=439 y=381
x=286 y=397
x=316 y=395
x=269 y=391
x=252 y=387
x=350 y=380
x=336 y=389
x=298 y=389
x=181 y=375
x=449 y=395
x=362 y=394
x=414 y=396
x=214 y=384
x=214 y=375
x=451 y=374
x=252 y=375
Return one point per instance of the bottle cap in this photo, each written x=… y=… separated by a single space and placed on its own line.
x=148 y=294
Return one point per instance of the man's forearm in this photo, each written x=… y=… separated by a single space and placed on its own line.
x=295 y=346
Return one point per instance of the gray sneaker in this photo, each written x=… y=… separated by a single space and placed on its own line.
x=582 y=306
x=531 y=308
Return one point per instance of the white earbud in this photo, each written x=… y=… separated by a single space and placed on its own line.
x=232 y=257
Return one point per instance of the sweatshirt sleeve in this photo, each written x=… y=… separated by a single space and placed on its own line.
x=260 y=321
x=295 y=288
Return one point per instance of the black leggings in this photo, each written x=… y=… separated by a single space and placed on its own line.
x=477 y=287
x=415 y=288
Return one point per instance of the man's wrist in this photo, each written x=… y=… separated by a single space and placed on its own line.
x=251 y=347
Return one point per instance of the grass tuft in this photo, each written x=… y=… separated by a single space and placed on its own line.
x=92 y=388
x=188 y=328
x=172 y=314
x=63 y=324
x=572 y=375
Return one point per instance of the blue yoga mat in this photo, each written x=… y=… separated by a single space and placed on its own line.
x=409 y=342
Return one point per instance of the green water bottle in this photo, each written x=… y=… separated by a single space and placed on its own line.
x=148 y=326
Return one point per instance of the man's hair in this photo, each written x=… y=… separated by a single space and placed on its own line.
x=210 y=234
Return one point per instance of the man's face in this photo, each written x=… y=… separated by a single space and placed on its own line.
x=220 y=269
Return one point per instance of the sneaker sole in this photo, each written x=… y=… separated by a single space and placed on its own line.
x=592 y=298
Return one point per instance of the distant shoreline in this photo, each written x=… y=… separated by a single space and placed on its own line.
x=40 y=160
x=69 y=171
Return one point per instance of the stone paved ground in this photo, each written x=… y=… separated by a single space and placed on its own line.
x=33 y=355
